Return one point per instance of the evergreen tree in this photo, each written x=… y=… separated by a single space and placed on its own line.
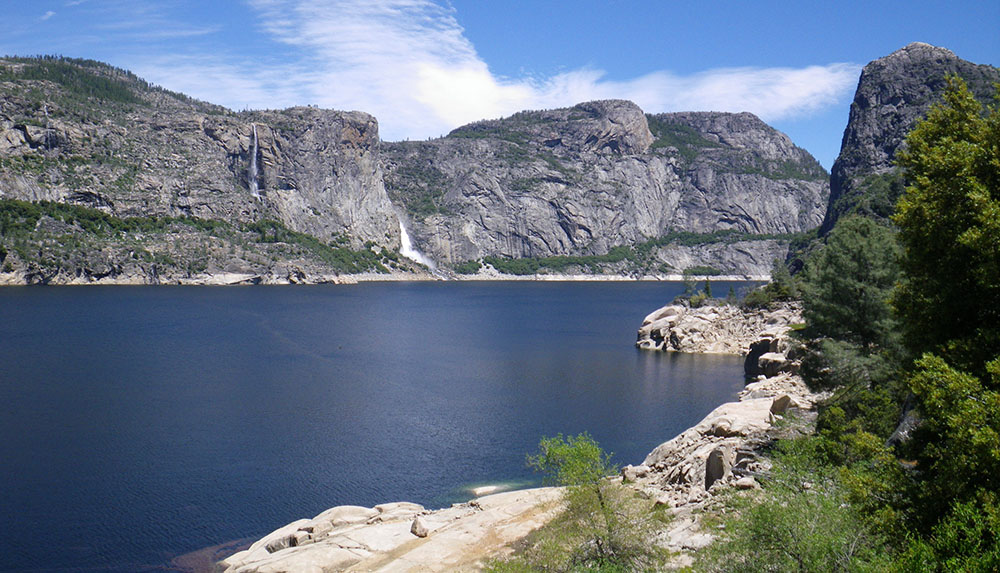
x=949 y=303
x=848 y=284
x=949 y=220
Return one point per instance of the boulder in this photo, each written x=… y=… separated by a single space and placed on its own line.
x=301 y=537
x=772 y=363
x=397 y=510
x=716 y=466
x=751 y=364
x=419 y=527
x=911 y=420
x=631 y=473
x=781 y=404
x=346 y=515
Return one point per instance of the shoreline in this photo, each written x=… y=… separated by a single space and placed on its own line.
x=247 y=279
x=682 y=475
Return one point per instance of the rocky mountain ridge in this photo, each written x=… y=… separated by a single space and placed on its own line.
x=598 y=188
x=84 y=133
x=581 y=181
x=600 y=175
x=893 y=94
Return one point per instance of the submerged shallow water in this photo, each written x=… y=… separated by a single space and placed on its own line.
x=141 y=423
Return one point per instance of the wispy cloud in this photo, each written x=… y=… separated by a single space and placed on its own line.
x=47 y=15
x=409 y=63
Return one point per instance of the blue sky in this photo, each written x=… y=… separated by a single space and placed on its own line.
x=423 y=67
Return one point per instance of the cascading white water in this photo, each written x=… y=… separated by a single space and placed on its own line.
x=407 y=250
x=252 y=172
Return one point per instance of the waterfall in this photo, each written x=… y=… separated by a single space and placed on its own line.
x=252 y=172
x=408 y=251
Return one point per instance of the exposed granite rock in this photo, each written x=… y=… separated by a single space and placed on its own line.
x=893 y=94
x=582 y=180
x=400 y=537
x=575 y=181
x=141 y=151
x=721 y=451
x=724 y=329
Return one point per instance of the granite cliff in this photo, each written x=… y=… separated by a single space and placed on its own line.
x=81 y=132
x=164 y=188
x=304 y=193
x=601 y=175
x=893 y=94
x=121 y=181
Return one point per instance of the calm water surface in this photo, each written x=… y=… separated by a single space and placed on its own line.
x=140 y=423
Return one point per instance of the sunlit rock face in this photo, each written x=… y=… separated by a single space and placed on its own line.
x=585 y=179
x=137 y=150
x=893 y=94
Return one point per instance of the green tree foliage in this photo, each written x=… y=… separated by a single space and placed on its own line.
x=605 y=527
x=949 y=304
x=782 y=287
x=958 y=444
x=468 y=267
x=845 y=294
x=804 y=521
x=949 y=220
x=848 y=283
x=965 y=540
x=637 y=257
x=19 y=220
x=939 y=510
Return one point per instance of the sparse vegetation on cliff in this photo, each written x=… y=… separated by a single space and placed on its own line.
x=630 y=259
x=51 y=239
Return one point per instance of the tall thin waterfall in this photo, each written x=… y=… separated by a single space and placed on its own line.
x=252 y=172
x=409 y=251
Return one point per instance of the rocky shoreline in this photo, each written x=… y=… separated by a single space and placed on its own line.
x=683 y=474
x=294 y=276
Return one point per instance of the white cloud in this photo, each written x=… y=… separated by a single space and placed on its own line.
x=409 y=64
x=47 y=15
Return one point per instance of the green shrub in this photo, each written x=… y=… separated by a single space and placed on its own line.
x=783 y=287
x=702 y=271
x=967 y=539
x=468 y=267
x=605 y=526
x=699 y=299
x=802 y=521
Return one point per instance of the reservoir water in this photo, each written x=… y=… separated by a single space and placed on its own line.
x=141 y=423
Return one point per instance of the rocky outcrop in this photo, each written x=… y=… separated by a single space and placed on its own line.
x=723 y=329
x=582 y=180
x=893 y=94
x=133 y=150
x=400 y=536
x=721 y=451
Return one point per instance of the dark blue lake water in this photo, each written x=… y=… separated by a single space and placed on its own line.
x=141 y=423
